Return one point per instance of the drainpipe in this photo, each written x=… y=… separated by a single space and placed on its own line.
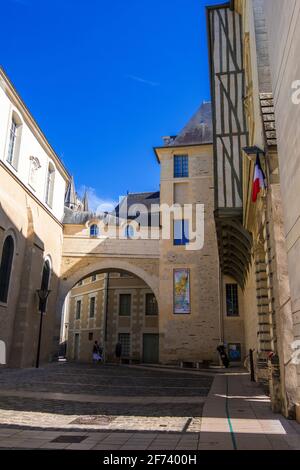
x=106 y=313
x=221 y=319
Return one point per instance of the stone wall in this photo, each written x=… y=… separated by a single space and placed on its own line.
x=37 y=235
x=195 y=336
x=283 y=22
x=137 y=324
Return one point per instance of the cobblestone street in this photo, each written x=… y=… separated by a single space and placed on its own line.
x=68 y=406
x=64 y=397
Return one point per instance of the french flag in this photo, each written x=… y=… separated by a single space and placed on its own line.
x=259 y=183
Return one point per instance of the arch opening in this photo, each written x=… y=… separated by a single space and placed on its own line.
x=111 y=306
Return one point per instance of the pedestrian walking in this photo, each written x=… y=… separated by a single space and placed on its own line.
x=223 y=355
x=97 y=357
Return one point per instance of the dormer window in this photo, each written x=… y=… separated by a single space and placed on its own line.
x=129 y=232
x=94 y=231
x=14 y=141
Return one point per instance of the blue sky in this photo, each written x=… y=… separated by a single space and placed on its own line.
x=106 y=79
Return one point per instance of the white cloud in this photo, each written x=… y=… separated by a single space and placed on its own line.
x=142 y=80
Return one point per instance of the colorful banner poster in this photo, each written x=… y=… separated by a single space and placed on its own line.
x=182 y=303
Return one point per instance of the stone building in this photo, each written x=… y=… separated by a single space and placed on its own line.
x=187 y=178
x=32 y=190
x=251 y=46
x=119 y=306
x=50 y=239
x=237 y=282
x=198 y=307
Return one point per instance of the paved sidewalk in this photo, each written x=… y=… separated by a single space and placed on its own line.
x=160 y=410
x=237 y=415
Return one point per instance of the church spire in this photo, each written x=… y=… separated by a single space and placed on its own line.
x=70 y=198
x=85 y=202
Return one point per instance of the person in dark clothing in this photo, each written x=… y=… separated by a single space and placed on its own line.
x=118 y=351
x=97 y=352
x=223 y=355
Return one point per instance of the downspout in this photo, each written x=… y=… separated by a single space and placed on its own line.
x=106 y=314
x=221 y=317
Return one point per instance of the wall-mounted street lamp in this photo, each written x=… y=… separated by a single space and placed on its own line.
x=253 y=152
x=43 y=295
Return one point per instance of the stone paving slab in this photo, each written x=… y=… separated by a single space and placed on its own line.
x=235 y=414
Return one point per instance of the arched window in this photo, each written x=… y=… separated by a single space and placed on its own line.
x=14 y=141
x=5 y=268
x=34 y=167
x=94 y=230
x=129 y=231
x=50 y=185
x=45 y=284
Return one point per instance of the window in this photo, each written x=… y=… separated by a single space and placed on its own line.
x=129 y=231
x=124 y=339
x=91 y=336
x=151 y=305
x=78 y=310
x=126 y=275
x=125 y=305
x=232 y=303
x=181 y=166
x=94 y=230
x=14 y=141
x=92 y=307
x=50 y=185
x=80 y=283
x=94 y=278
x=34 y=167
x=6 y=267
x=181 y=232
x=45 y=284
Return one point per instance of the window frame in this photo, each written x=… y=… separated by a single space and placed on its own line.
x=92 y=302
x=14 y=145
x=151 y=314
x=127 y=229
x=234 y=300
x=94 y=231
x=183 y=241
x=128 y=335
x=181 y=166
x=122 y=295
x=8 y=268
x=78 y=312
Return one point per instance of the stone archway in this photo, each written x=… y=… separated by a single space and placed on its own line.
x=141 y=268
x=144 y=269
x=109 y=265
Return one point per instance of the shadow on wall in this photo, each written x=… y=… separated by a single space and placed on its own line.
x=21 y=277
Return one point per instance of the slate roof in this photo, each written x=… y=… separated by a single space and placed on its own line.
x=199 y=130
x=82 y=217
x=135 y=199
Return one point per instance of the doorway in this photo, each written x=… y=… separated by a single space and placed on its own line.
x=150 y=348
